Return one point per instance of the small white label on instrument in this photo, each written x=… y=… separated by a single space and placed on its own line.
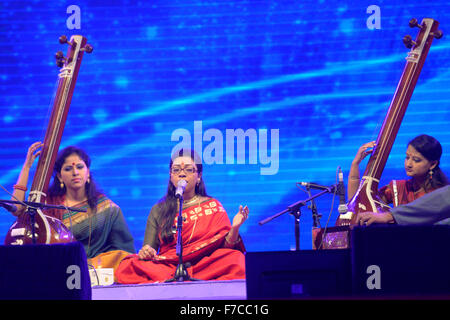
x=413 y=56
x=18 y=232
x=347 y=216
x=65 y=72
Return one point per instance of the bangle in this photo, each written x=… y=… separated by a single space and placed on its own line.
x=19 y=187
x=233 y=243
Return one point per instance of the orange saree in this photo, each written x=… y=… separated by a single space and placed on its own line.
x=204 y=255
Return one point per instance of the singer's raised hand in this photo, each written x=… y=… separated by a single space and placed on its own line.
x=232 y=238
x=241 y=216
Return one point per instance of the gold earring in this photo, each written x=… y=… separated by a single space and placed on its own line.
x=61 y=184
x=431 y=174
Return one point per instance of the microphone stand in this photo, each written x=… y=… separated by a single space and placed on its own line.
x=295 y=210
x=32 y=208
x=315 y=215
x=181 y=273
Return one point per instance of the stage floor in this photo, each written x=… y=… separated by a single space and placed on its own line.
x=189 y=290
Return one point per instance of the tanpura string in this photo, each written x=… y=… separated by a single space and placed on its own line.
x=44 y=129
x=408 y=74
x=49 y=111
x=63 y=83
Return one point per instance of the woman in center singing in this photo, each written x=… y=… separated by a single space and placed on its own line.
x=212 y=246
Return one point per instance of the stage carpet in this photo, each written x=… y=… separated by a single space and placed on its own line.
x=188 y=290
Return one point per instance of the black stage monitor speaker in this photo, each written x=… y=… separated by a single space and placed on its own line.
x=298 y=274
x=44 y=272
x=401 y=261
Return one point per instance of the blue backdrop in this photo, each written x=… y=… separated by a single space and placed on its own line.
x=316 y=77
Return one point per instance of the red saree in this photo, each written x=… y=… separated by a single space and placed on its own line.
x=203 y=235
x=400 y=192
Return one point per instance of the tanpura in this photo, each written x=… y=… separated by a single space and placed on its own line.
x=366 y=197
x=32 y=225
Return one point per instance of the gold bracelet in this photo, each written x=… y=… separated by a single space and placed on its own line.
x=235 y=242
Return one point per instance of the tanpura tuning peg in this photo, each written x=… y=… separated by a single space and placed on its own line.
x=437 y=34
x=408 y=41
x=87 y=48
x=60 y=63
x=63 y=39
x=60 y=59
x=414 y=23
x=59 y=55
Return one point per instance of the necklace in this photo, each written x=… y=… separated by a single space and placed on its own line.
x=191 y=201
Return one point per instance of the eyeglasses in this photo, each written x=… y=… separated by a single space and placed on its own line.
x=178 y=169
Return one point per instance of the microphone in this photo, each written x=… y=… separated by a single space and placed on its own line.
x=313 y=185
x=181 y=185
x=10 y=207
x=341 y=192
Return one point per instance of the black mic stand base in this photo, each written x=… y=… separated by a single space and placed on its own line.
x=181 y=274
